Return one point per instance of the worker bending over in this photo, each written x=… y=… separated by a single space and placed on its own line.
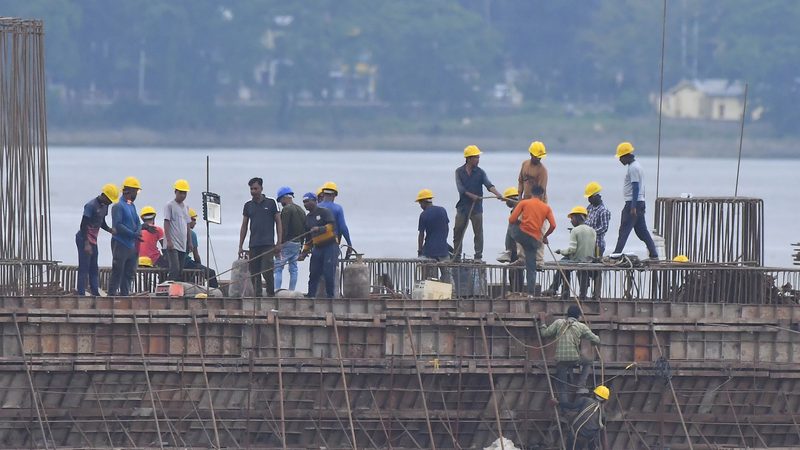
x=92 y=221
x=525 y=226
x=582 y=244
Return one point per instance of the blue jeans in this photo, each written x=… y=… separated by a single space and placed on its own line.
x=87 y=267
x=638 y=225
x=288 y=256
x=323 y=265
x=530 y=245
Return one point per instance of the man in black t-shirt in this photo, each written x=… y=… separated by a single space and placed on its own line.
x=264 y=218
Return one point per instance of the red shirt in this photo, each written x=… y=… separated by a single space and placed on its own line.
x=149 y=245
x=533 y=212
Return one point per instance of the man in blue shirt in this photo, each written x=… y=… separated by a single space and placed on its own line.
x=433 y=231
x=127 y=231
x=470 y=181
x=92 y=221
x=329 y=193
x=321 y=245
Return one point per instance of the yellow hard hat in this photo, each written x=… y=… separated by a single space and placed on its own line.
x=131 y=182
x=181 y=185
x=511 y=192
x=192 y=213
x=425 y=194
x=145 y=261
x=537 y=149
x=592 y=188
x=111 y=191
x=602 y=392
x=147 y=210
x=201 y=295
x=578 y=210
x=319 y=191
x=471 y=150
x=624 y=148
x=681 y=259
x=330 y=186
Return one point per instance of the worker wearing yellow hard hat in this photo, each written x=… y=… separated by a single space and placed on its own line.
x=534 y=173
x=127 y=232
x=598 y=215
x=92 y=221
x=152 y=238
x=329 y=193
x=192 y=259
x=470 y=181
x=177 y=235
x=511 y=197
x=433 y=230
x=588 y=420
x=633 y=213
x=262 y=218
x=582 y=244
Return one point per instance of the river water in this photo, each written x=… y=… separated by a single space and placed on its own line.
x=377 y=191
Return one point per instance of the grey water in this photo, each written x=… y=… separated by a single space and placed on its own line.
x=377 y=191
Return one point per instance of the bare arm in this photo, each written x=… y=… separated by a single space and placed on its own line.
x=167 y=236
x=279 y=228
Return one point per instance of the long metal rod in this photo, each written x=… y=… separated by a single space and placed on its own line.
x=741 y=139
x=102 y=414
x=674 y=395
x=491 y=385
x=205 y=378
x=421 y=386
x=344 y=382
x=208 y=226
x=34 y=395
x=550 y=386
x=280 y=379
x=149 y=387
x=661 y=94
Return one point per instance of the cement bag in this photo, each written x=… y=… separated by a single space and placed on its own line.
x=241 y=283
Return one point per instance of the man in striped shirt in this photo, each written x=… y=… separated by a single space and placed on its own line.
x=599 y=215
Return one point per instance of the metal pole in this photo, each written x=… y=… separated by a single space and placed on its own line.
x=208 y=226
x=741 y=138
x=661 y=94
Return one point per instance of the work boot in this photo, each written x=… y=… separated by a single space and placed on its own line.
x=504 y=257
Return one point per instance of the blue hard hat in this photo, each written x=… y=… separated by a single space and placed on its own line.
x=284 y=190
x=309 y=196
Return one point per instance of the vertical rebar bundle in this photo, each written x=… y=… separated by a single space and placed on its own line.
x=712 y=229
x=24 y=177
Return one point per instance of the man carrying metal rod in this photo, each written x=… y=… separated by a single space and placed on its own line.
x=470 y=181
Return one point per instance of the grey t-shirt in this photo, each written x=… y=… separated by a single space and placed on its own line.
x=176 y=230
x=635 y=174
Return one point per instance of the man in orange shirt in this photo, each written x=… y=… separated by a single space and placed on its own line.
x=527 y=230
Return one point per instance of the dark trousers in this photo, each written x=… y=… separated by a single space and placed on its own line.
x=262 y=264
x=530 y=245
x=460 y=228
x=176 y=260
x=87 y=268
x=516 y=276
x=564 y=379
x=323 y=265
x=212 y=274
x=123 y=268
x=583 y=281
x=638 y=225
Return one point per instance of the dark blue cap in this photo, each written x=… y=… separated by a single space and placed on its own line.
x=309 y=196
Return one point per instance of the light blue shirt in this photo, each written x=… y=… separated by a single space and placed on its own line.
x=635 y=174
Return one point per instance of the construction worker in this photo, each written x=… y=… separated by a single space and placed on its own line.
x=433 y=229
x=152 y=237
x=588 y=420
x=525 y=226
x=177 y=234
x=568 y=333
x=329 y=193
x=193 y=260
x=127 y=232
x=633 y=214
x=262 y=215
x=599 y=216
x=582 y=244
x=92 y=221
x=293 y=224
x=322 y=245
x=534 y=173
x=516 y=277
x=470 y=181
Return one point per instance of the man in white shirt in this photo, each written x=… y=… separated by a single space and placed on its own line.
x=633 y=214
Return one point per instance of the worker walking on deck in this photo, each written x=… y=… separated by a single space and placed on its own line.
x=177 y=234
x=582 y=248
x=599 y=216
x=329 y=193
x=589 y=420
x=152 y=237
x=126 y=235
x=293 y=220
x=321 y=245
x=262 y=215
x=193 y=260
x=525 y=226
x=470 y=181
x=633 y=213
x=92 y=221
x=433 y=229
x=534 y=173
x=568 y=333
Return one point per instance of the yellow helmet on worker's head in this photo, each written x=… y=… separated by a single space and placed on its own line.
x=423 y=195
x=681 y=259
x=181 y=185
x=578 y=210
x=592 y=188
x=511 y=192
x=145 y=261
x=111 y=191
x=537 y=149
x=471 y=150
x=623 y=149
x=602 y=392
x=192 y=213
x=330 y=188
x=146 y=211
x=319 y=191
x=131 y=182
